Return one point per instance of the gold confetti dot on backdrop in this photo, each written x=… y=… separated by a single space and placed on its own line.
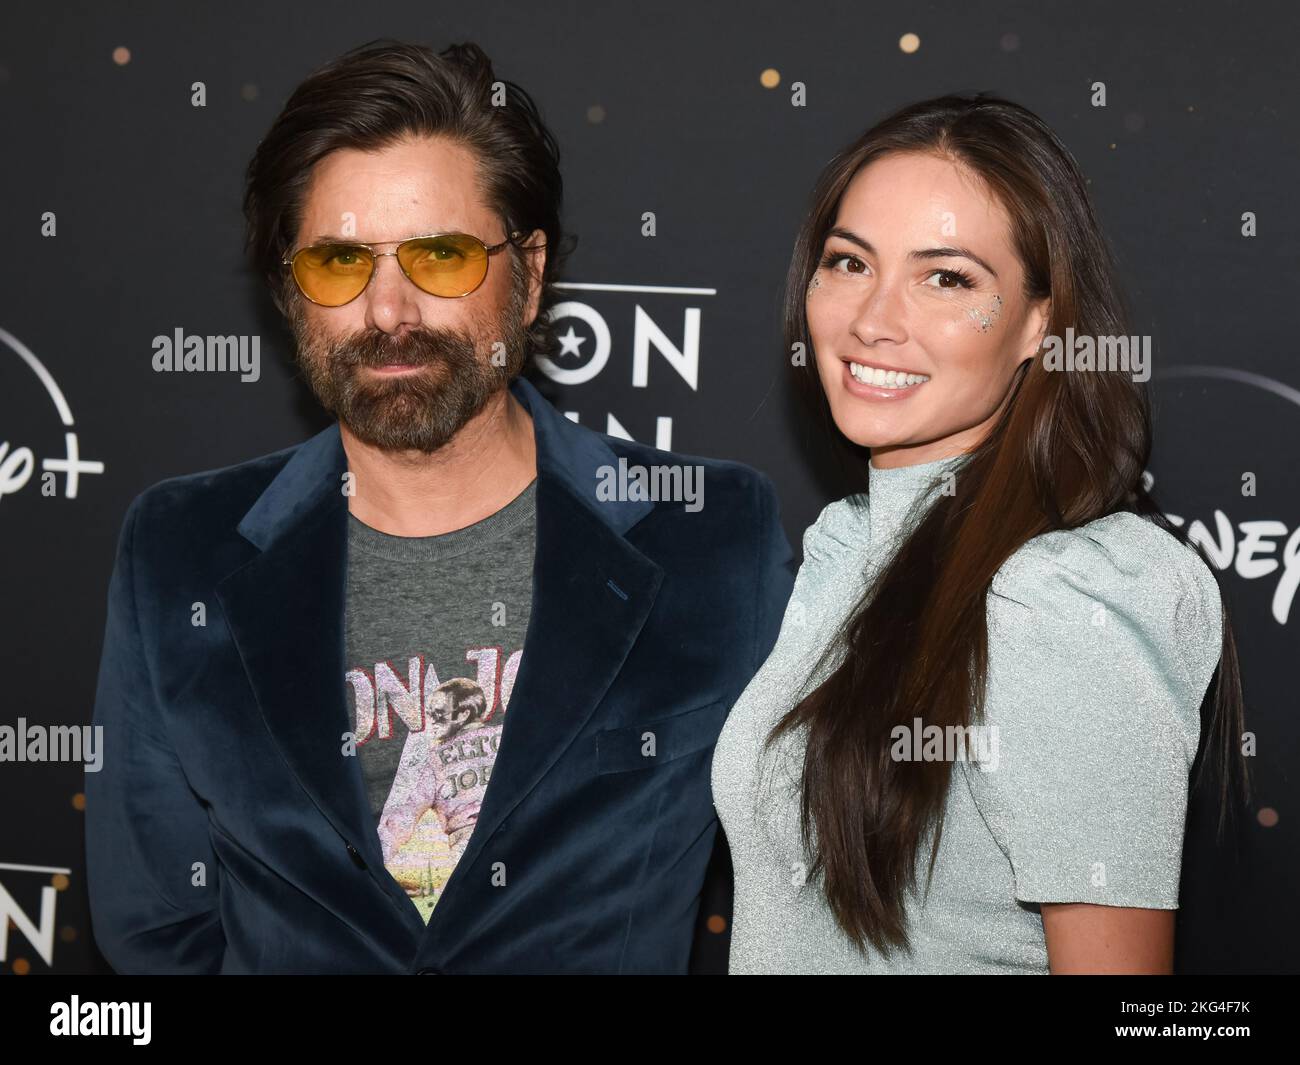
x=79 y=801
x=22 y=966
x=717 y=924
x=248 y=91
x=67 y=933
x=909 y=42
x=121 y=56
x=595 y=114
x=60 y=882
x=1268 y=817
x=770 y=78
x=1010 y=42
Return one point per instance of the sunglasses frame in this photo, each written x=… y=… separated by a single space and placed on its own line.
x=490 y=249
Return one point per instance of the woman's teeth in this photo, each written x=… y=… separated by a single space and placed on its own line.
x=885 y=378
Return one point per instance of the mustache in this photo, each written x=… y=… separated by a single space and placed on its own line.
x=419 y=347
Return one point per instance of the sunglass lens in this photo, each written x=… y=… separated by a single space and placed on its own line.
x=332 y=274
x=453 y=264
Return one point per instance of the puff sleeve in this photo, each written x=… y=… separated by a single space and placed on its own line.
x=1102 y=644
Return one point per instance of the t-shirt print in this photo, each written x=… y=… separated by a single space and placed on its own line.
x=448 y=733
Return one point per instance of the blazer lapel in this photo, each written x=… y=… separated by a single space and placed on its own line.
x=285 y=609
x=592 y=592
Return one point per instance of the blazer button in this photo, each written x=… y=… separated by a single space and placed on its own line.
x=355 y=855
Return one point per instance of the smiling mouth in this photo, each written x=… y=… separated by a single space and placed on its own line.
x=877 y=378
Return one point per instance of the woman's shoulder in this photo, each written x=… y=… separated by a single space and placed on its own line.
x=1122 y=551
x=1125 y=574
x=840 y=530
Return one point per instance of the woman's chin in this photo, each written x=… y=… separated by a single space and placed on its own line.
x=872 y=435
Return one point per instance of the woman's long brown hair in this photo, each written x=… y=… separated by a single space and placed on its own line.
x=1069 y=448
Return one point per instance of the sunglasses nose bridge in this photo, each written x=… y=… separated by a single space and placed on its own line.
x=397 y=271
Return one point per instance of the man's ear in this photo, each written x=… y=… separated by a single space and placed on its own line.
x=534 y=250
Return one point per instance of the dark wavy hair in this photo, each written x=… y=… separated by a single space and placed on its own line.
x=1068 y=448
x=375 y=95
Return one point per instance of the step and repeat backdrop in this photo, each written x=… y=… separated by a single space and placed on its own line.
x=120 y=197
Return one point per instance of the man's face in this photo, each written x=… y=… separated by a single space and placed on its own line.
x=445 y=715
x=400 y=368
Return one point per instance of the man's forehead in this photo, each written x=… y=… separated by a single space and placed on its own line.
x=410 y=189
x=381 y=221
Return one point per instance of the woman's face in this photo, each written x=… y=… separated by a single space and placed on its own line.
x=918 y=276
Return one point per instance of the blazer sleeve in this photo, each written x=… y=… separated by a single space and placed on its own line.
x=775 y=572
x=146 y=830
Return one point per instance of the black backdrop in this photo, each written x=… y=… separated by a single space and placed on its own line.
x=657 y=108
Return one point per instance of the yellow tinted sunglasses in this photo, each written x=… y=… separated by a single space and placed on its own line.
x=442 y=264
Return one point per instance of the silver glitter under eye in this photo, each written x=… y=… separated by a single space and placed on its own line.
x=816 y=282
x=984 y=317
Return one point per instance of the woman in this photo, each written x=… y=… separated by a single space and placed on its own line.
x=969 y=750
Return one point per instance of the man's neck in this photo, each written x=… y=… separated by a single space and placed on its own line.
x=482 y=468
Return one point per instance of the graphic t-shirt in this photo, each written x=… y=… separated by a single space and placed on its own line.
x=435 y=631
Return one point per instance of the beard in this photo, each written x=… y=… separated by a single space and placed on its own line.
x=420 y=410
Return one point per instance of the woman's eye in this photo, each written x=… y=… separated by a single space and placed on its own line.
x=949 y=279
x=852 y=264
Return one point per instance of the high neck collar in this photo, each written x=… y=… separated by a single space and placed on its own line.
x=896 y=495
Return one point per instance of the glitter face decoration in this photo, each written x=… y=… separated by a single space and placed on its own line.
x=984 y=317
x=814 y=284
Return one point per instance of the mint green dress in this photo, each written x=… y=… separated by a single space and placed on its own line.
x=1102 y=643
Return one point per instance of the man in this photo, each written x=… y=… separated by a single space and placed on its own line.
x=415 y=696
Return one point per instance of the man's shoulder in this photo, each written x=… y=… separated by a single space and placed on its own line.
x=220 y=492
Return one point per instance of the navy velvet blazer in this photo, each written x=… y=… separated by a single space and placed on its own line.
x=227 y=832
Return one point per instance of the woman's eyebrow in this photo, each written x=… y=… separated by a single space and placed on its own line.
x=925 y=253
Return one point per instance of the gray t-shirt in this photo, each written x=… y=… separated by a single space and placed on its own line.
x=1102 y=642
x=435 y=633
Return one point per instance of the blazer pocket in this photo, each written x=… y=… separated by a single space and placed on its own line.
x=625 y=748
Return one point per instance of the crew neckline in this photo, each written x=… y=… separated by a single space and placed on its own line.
x=508 y=519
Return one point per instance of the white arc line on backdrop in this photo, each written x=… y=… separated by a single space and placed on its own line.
x=51 y=386
x=1244 y=376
